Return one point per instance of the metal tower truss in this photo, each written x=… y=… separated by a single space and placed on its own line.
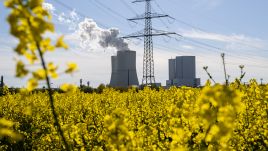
x=154 y=33
x=148 y=33
x=153 y=15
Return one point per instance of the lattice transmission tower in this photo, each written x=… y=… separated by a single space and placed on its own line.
x=148 y=33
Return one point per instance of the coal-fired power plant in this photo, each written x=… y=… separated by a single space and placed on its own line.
x=124 y=73
x=182 y=72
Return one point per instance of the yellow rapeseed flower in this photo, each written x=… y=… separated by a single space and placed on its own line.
x=68 y=87
x=71 y=67
x=60 y=43
x=32 y=84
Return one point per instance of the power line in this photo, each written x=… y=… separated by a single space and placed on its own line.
x=216 y=49
x=107 y=11
x=129 y=7
x=203 y=30
x=148 y=61
x=108 y=8
x=105 y=26
x=137 y=14
x=212 y=48
x=208 y=45
x=204 y=44
x=121 y=16
x=205 y=57
x=79 y=13
x=83 y=15
x=199 y=29
x=112 y=11
x=247 y=65
x=166 y=26
x=219 y=50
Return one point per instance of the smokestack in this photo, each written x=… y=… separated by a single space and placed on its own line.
x=81 y=83
x=2 y=82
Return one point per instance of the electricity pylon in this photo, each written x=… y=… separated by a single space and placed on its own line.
x=148 y=33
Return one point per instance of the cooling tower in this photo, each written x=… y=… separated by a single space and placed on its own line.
x=124 y=72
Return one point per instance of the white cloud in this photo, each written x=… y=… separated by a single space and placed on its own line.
x=74 y=15
x=70 y=19
x=49 y=7
x=187 y=47
x=241 y=48
x=234 y=42
x=233 y=38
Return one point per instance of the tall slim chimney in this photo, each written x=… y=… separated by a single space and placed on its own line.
x=81 y=83
x=2 y=82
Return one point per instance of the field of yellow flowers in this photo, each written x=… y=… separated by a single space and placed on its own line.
x=214 y=117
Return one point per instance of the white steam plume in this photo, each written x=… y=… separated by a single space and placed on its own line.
x=89 y=31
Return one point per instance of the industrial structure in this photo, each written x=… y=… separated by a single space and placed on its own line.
x=148 y=32
x=2 y=82
x=182 y=72
x=124 y=73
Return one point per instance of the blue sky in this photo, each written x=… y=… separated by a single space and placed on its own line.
x=238 y=28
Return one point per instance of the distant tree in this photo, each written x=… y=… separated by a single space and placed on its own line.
x=100 y=88
x=87 y=89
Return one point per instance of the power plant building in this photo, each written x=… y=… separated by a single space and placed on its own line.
x=124 y=73
x=182 y=72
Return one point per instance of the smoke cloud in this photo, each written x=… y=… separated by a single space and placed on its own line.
x=89 y=31
x=110 y=38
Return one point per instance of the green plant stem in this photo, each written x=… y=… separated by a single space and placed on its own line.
x=224 y=68
x=51 y=99
x=210 y=76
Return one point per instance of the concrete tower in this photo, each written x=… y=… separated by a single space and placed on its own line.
x=182 y=72
x=124 y=72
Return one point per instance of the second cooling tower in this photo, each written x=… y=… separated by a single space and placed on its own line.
x=124 y=72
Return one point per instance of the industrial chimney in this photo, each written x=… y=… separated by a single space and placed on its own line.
x=2 y=82
x=124 y=72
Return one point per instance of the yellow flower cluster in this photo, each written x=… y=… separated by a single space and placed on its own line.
x=211 y=118
x=29 y=22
